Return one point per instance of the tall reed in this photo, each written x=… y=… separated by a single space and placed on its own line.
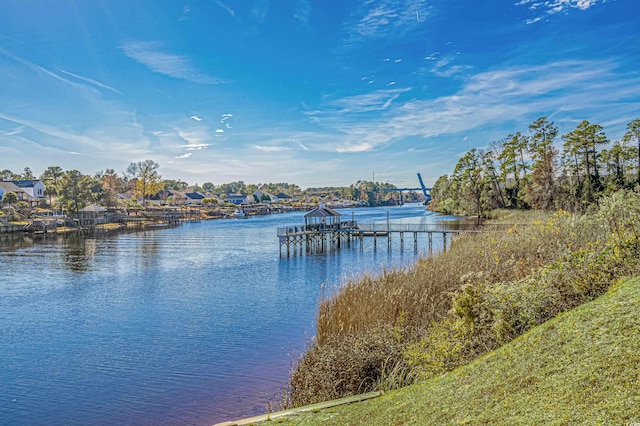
x=447 y=309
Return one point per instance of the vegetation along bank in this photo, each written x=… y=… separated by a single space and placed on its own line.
x=559 y=251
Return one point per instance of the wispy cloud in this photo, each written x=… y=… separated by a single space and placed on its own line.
x=187 y=155
x=91 y=81
x=516 y=94
x=195 y=118
x=151 y=55
x=264 y=148
x=259 y=11
x=225 y=120
x=227 y=9
x=302 y=12
x=385 y=18
x=53 y=132
x=42 y=70
x=376 y=101
x=195 y=146
x=359 y=147
x=551 y=7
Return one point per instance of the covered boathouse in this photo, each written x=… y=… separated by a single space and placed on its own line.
x=322 y=219
x=322 y=231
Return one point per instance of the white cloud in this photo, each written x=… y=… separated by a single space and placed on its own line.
x=151 y=55
x=385 y=18
x=195 y=118
x=270 y=148
x=360 y=147
x=516 y=94
x=187 y=155
x=224 y=120
x=195 y=147
x=376 y=101
x=551 y=7
x=227 y=9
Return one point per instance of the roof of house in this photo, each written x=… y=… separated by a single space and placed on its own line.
x=322 y=211
x=283 y=195
x=29 y=183
x=195 y=196
x=10 y=186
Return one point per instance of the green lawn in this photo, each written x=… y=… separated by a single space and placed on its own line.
x=583 y=367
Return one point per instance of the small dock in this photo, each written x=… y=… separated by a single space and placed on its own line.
x=323 y=231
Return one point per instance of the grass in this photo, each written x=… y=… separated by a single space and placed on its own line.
x=380 y=333
x=578 y=368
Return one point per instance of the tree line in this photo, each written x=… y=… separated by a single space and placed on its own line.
x=530 y=171
x=72 y=190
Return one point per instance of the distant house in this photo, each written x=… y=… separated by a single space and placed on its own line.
x=282 y=198
x=166 y=196
x=30 y=191
x=263 y=197
x=33 y=187
x=236 y=199
x=194 y=198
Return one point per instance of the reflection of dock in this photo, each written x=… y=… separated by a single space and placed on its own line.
x=323 y=231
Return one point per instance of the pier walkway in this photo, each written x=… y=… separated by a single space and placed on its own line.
x=321 y=238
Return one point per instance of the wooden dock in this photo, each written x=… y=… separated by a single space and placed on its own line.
x=314 y=239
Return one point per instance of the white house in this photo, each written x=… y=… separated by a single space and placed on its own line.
x=33 y=187
x=237 y=199
x=30 y=191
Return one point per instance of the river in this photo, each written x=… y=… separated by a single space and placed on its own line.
x=195 y=324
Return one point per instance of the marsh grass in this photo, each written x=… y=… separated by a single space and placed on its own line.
x=487 y=289
x=579 y=368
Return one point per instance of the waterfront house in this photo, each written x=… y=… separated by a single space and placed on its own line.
x=282 y=198
x=194 y=198
x=30 y=191
x=263 y=197
x=33 y=187
x=237 y=199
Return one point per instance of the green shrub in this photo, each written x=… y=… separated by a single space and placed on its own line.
x=447 y=310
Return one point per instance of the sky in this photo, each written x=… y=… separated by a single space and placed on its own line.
x=312 y=92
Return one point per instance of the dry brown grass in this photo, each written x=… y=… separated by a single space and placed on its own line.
x=485 y=290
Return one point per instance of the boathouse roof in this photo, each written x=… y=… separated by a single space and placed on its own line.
x=322 y=211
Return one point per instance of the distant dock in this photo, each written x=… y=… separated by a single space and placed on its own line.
x=323 y=231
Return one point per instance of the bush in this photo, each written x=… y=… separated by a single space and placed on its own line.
x=445 y=311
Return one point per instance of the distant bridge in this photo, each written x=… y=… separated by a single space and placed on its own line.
x=425 y=191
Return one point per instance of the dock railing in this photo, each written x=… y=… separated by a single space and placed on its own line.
x=353 y=226
x=415 y=227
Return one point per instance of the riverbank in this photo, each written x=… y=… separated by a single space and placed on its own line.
x=444 y=312
x=579 y=368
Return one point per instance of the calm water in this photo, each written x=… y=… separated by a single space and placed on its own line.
x=190 y=325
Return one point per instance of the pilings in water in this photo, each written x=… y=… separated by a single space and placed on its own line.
x=314 y=242
x=299 y=240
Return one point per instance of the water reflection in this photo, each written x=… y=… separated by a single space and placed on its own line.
x=78 y=252
x=194 y=324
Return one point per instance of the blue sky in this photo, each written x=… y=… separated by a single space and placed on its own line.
x=313 y=92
